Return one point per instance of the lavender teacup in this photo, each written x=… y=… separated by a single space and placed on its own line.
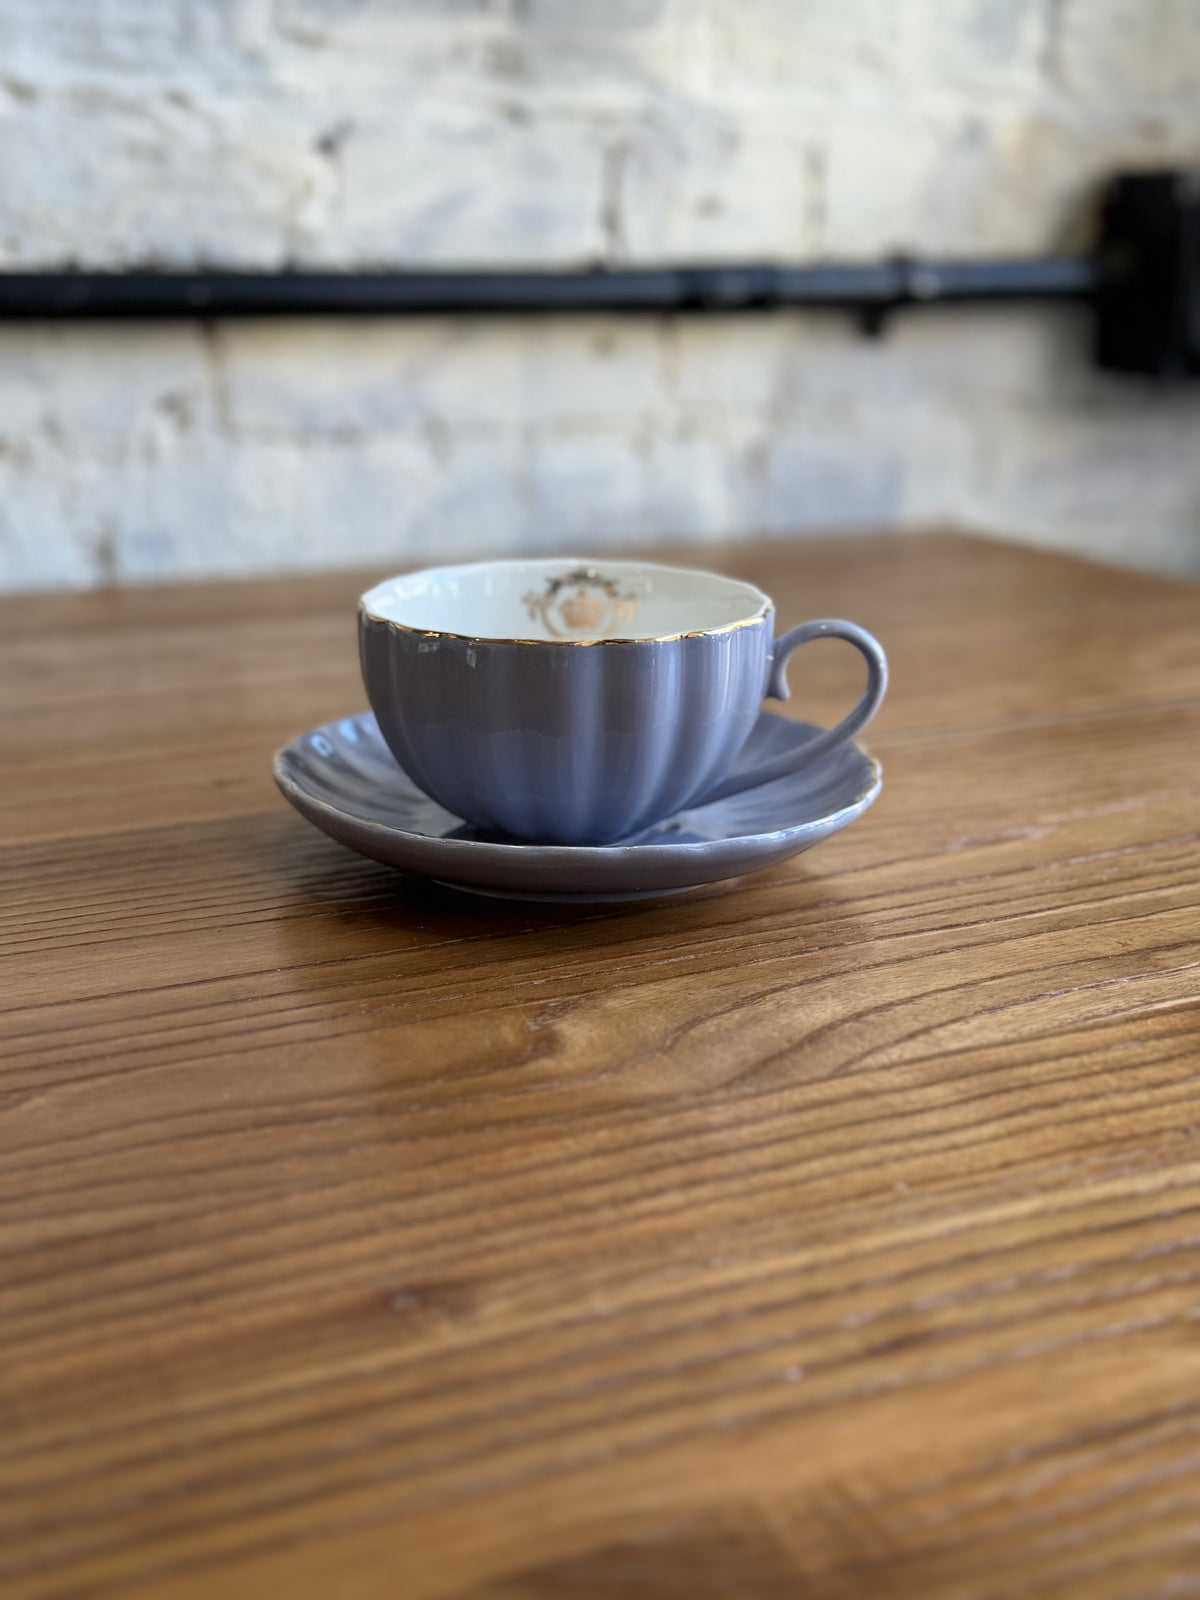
x=576 y=701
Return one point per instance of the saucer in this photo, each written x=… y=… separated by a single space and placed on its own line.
x=346 y=781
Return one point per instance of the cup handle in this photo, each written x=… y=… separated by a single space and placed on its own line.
x=777 y=687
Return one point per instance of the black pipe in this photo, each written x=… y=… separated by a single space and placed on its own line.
x=873 y=290
x=1142 y=283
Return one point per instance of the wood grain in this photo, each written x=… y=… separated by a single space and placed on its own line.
x=835 y=1233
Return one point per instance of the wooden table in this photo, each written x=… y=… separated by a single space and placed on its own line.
x=835 y=1233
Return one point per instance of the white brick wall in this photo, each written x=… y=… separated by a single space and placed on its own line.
x=368 y=132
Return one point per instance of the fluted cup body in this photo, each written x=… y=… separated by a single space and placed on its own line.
x=572 y=703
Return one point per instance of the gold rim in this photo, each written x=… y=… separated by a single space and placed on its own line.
x=486 y=638
x=766 y=605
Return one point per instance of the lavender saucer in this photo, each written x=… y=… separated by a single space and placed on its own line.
x=345 y=780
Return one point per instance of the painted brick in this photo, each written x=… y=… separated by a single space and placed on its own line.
x=557 y=132
x=1129 y=51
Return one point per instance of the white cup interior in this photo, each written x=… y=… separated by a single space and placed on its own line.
x=565 y=598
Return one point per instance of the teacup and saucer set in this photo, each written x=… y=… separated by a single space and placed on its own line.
x=575 y=730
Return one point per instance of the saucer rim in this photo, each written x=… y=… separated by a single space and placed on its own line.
x=581 y=854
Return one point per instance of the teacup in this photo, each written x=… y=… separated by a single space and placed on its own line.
x=573 y=701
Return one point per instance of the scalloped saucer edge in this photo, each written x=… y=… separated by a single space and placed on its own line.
x=345 y=781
